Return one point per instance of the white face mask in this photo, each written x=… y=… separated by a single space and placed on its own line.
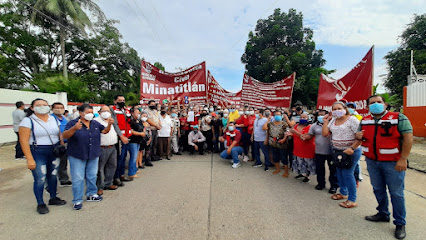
x=42 y=109
x=251 y=112
x=105 y=115
x=58 y=111
x=144 y=119
x=240 y=112
x=247 y=112
x=211 y=109
x=225 y=115
x=89 y=116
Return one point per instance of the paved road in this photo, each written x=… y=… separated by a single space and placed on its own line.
x=202 y=197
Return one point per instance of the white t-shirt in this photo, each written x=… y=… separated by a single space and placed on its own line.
x=343 y=136
x=42 y=135
x=111 y=137
x=166 y=126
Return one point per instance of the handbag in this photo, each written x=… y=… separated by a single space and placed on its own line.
x=341 y=159
x=58 y=149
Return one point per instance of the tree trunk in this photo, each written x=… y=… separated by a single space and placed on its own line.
x=64 y=60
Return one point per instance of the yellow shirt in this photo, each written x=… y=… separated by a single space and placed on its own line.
x=359 y=117
x=233 y=116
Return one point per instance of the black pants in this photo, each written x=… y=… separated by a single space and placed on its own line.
x=62 y=170
x=18 y=152
x=320 y=168
x=183 y=140
x=200 y=148
x=209 y=139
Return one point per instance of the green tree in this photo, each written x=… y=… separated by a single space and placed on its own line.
x=70 y=15
x=398 y=61
x=279 y=46
x=159 y=66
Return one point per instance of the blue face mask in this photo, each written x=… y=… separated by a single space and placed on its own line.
x=351 y=111
x=278 y=118
x=257 y=115
x=321 y=119
x=174 y=115
x=303 y=121
x=231 y=128
x=377 y=108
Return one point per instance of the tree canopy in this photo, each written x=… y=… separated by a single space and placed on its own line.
x=279 y=46
x=398 y=61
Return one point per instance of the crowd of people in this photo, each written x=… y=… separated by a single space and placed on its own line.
x=96 y=145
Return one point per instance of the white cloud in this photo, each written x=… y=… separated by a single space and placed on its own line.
x=184 y=33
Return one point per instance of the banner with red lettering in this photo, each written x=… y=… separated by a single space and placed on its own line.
x=356 y=86
x=267 y=95
x=189 y=84
x=218 y=95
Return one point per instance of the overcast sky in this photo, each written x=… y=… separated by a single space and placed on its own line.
x=180 y=34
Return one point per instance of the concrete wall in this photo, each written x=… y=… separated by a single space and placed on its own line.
x=8 y=98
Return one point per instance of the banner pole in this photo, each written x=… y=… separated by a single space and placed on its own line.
x=372 y=71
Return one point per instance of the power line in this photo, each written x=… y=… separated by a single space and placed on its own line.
x=161 y=20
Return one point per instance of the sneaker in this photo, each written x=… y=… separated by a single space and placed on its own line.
x=236 y=165
x=178 y=153
x=246 y=159
x=94 y=198
x=42 y=209
x=148 y=164
x=266 y=169
x=77 y=206
x=57 y=201
x=306 y=179
x=257 y=165
x=319 y=187
x=66 y=184
x=298 y=176
x=332 y=190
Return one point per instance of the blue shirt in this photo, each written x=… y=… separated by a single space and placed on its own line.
x=259 y=135
x=63 y=122
x=85 y=144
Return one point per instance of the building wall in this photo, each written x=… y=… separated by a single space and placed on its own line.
x=8 y=98
x=416 y=114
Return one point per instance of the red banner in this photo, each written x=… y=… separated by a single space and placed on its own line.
x=218 y=95
x=189 y=84
x=356 y=86
x=269 y=95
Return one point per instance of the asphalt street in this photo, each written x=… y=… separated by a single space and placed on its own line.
x=202 y=197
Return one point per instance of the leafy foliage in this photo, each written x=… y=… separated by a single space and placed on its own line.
x=413 y=38
x=280 y=46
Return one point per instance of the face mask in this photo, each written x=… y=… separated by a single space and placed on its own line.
x=163 y=112
x=121 y=104
x=152 y=107
x=376 y=108
x=251 y=112
x=267 y=114
x=321 y=119
x=174 y=115
x=351 y=110
x=338 y=113
x=231 y=110
x=195 y=131
x=278 y=118
x=257 y=115
x=105 y=115
x=144 y=119
x=240 y=112
x=303 y=121
x=225 y=115
x=89 y=116
x=58 y=111
x=211 y=109
x=184 y=114
x=42 y=109
x=298 y=109
x=247 y=112
x=231 y=128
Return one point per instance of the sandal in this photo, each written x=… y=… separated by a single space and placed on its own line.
x=348 y=204
x=338 y=196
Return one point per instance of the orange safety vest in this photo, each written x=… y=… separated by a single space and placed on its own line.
x=382 y=140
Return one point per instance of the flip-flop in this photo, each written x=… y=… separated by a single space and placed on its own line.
x=338 y=196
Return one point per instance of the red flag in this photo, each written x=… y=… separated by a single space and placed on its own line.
x=356 y=86
x=218 y=95
x=270 y=95
x=188 y=84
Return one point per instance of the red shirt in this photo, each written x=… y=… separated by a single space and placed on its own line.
x=123 y=119
x=303 y=149
x=184 y=123
x=242 y=120
x=250 y=125
x=232 y=136
x=194 y=123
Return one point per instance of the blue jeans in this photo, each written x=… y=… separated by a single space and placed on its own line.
x=121 y=161
x=279 y=155
x=237 y=150
x=46 y=170
x=346 y=177
x=257 y=146
x=81 y=169
x=382 y=175
x=133 y=149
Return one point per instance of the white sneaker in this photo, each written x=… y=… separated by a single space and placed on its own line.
x=246 y=159
x=236 y=165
